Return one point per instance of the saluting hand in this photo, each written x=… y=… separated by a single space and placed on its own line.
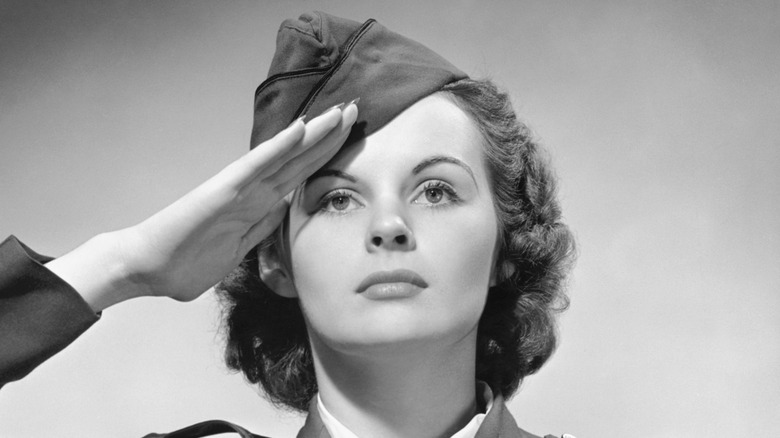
x=193 y=243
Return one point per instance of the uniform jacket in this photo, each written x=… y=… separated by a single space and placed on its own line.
x=40 y=314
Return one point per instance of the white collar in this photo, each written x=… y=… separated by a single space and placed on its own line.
x=337 y=430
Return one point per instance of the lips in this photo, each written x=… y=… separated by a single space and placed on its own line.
x=390 y=277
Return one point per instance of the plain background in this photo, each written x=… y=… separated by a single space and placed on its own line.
x=663 y=120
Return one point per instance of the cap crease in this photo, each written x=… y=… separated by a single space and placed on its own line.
x=353 y=40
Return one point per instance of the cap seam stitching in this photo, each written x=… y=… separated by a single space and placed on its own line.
x=289 y=75
x=324 y=81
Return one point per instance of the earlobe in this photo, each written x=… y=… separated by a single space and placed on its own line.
x=275 y=276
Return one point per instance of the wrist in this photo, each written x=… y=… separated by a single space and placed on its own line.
x=99 y=271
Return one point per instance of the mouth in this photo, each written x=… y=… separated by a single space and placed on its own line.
x=392 y=284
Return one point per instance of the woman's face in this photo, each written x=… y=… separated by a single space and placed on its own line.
x=394 y=241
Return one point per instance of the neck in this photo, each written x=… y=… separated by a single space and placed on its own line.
x=399 y=392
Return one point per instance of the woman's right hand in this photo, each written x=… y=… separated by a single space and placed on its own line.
x=189 y=246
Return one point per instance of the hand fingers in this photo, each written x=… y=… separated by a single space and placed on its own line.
x=247 y=167
x=243 y=180
x=267 y=189
x=317 y=130
x=301 y=167
x=267 y=157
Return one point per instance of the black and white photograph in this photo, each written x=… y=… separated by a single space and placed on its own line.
x=395 y=219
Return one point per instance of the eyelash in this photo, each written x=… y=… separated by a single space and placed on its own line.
x=324 y=203
x=444 y=187
x=330 y=196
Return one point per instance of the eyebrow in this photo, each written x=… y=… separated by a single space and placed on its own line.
x=322 y=173
x=437 y=159
x=428 y=162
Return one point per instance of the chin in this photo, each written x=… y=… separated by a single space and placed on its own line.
x=392 y=333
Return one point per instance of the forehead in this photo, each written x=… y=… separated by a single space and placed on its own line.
x=432 y=126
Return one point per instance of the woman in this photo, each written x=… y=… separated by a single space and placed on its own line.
x=425 y=259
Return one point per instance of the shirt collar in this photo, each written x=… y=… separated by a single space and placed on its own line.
x=336 y=429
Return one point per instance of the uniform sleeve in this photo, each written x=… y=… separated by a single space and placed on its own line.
x=40 y=314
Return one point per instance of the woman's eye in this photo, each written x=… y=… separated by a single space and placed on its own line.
x=434 y=195
x=338 y=202
x=436 y=192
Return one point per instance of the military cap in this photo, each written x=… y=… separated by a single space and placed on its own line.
x=322 y=60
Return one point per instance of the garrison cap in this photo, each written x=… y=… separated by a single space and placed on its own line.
x=322 y=60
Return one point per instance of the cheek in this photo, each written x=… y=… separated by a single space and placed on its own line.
x=461 y=250
x=321 y=256
x=470 y=246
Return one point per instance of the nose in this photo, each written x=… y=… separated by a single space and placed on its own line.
x=389 y=231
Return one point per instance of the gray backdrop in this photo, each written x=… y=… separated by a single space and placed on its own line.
x=662 y=119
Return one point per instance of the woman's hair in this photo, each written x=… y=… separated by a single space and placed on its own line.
x=266 y=334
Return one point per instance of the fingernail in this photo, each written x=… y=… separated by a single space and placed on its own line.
x=354 y=101
x=299 y=119
x=339 y=106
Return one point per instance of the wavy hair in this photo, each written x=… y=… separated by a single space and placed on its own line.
x=266 y=334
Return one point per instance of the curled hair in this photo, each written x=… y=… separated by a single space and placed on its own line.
x=517 y=330
x=266 y=334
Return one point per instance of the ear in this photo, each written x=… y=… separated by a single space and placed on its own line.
x=274 y=274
